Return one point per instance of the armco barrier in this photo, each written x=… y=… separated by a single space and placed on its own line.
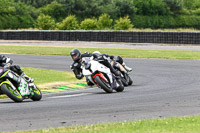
x=105 y=36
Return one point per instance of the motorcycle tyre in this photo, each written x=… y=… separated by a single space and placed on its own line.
x=130 y=81
x=121 y=86
x=103 y=85
x=37 y=95
x=124 y=82
x=6 y=91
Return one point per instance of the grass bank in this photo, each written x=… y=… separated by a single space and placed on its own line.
x=42 y=76
x=168 y=125
x=131 y=53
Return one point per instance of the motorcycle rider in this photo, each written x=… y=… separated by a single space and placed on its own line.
x=113 y=61
x=116 y=63
x=76 y=65
x=6 y=62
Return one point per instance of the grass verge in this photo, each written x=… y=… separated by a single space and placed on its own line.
x=134 y=53
x=42 y=76
x=167 y=125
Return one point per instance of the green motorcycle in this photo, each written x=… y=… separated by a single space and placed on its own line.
x=16 y=87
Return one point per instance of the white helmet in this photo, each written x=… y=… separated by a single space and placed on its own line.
x=96 y=52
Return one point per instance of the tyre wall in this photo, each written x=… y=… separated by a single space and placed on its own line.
x=105 y=36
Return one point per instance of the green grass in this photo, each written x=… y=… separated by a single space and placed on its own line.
x=134 y=53
x=168 y=125
x=42 y=76
x=169 y=30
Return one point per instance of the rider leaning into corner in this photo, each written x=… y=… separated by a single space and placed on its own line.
x=107 y=60
x=6 y=62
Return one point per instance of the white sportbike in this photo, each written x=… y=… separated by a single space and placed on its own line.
x=100 y=75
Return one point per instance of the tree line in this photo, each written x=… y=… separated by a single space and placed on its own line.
x=99 y=14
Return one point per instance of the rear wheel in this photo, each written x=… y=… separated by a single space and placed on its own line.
x=103 y=84
x=130 y=81
x=125 y=83
x=37 y=94
x=12 y=93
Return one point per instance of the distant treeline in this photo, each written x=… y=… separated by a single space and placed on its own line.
x=99 y=14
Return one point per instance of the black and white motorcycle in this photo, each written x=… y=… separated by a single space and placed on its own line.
x=100 y=75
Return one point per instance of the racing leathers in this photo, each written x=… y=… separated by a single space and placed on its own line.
x=7 y=63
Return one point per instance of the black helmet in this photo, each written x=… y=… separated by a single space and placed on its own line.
x=75 y=54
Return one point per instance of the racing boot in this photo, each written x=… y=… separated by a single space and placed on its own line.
x=125 y=74
x=28 y=79
x=116 y=73
x=126 y=67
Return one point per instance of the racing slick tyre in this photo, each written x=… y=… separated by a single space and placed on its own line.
x=12 y=93
x=120 y=88
x=37 y=94
x=103 y=84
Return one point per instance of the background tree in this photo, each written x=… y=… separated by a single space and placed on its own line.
x=175 y=6
x=16 y=15
x=54 y=9
x=152 y=7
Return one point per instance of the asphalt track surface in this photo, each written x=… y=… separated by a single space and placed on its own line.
x=161 y=88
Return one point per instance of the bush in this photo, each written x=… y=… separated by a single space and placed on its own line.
x=69 y=23
x=45 y=22
x=89 y=24
x=154 y=22
x=196 y=12
x=123 y=24
x=181 y=21
x=105 y=22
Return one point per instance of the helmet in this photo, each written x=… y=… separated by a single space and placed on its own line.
x=75 y=54
x=97 y=53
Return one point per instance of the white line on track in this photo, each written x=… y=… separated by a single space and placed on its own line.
x=73 y=95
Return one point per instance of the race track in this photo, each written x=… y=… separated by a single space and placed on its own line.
x=162 y=88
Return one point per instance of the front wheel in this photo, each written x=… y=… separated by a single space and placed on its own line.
x=12 y=93
x=37 y=94
x=130 y=81
x=120 y=88
x=104 y=85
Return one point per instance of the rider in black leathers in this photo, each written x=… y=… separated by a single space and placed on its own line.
x=117 y=63
x=76 y=66
x=6 y=62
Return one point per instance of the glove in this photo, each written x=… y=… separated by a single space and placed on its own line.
x=72 y=68
x=79 y=76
